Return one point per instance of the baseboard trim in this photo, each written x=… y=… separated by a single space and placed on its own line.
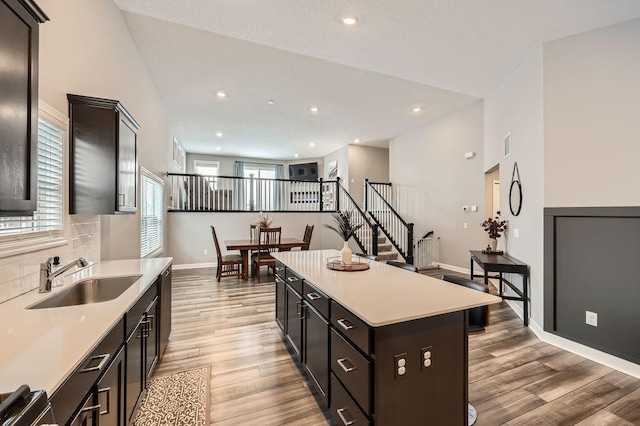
x=194 y=265
x=453 y=268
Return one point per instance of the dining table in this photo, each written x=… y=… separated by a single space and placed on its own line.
x=247 y=245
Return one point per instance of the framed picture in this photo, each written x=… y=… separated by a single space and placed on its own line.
x=179 y=155
x=507 y=145
x=333 y=170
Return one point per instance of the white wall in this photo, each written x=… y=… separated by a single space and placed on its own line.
x=87 y=49
x=592 y=118
x=433 y=180
x=516 y=107
x=190 y=233
x=366 y=162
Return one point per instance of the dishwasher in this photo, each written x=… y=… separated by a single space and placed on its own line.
x=25 y=408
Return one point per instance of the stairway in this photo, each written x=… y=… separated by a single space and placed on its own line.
x=386 y=251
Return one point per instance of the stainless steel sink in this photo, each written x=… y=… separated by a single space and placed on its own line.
x=91 y=290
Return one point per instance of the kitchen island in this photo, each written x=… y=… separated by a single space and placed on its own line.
x=383 y=346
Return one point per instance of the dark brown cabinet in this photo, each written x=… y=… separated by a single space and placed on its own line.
x=104 y=152
x=110 y=393
x=134 y=369
x=151 y=340
x=316 y=342
x=294 y=321
x=19 y=20
x=281 y=305
x=165 y=309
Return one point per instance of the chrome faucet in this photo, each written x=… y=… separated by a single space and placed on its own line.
x=46 y=276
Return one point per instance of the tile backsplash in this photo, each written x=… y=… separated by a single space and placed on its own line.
x=20 y=273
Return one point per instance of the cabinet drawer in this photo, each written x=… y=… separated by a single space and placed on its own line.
x=280 y=270
x=316 y=299
x=137 y=311
x=351 y=326
x=344 y=410
x=353 y=370
x=293 y=280
x=69 y=395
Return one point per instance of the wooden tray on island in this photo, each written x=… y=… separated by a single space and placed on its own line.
x=357 y=264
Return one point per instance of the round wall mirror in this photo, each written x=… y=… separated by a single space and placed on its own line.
x=515 y=197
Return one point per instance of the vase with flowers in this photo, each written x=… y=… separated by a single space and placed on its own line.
x=494 y=226
x=346 y=228
x=263 y=221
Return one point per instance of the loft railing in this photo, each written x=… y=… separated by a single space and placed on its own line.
x=397 y=230
x=199 y=193
x=367 y=235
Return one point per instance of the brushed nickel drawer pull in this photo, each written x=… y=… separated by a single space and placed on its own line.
x=151 y=321
x=279 y=268
x=105 y=358
x=345 y=324
x=108 y=404
x=346 y=422
x=95 y=408
x=346 y=369
x=313 y=296
x=293 y=279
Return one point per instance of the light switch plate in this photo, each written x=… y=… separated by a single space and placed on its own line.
x=592 y=318
x=516 y=233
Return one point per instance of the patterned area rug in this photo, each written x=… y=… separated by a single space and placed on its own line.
x=180 y=399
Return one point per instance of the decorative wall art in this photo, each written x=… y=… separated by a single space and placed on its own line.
x=515 y=192
x=333 y=170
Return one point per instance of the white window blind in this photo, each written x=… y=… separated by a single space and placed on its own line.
x=48 y=218
x=151 y=235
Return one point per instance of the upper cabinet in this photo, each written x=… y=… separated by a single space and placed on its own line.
x=19 y=21
x=104 y=157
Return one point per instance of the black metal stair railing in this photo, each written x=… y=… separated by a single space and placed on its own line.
x=199 y=193
x=367 y=235
x=396 y=229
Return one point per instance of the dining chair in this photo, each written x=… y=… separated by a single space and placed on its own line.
x=229 y=265
x=268 y=242
x=407 y=266
x=308 y=231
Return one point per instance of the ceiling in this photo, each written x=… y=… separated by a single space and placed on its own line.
x=365 y=80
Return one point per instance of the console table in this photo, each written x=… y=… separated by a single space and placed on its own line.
x=504 y=264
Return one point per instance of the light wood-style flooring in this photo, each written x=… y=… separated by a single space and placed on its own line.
x=514 y=378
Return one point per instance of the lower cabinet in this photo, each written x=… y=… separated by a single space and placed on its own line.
x=281 y=305
x=107 y=386
x=135 y=368
x=294 y=320
x=110 y=393
x=316 y=342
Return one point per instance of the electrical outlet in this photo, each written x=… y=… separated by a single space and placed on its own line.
x=205 y=251
x=426 y=358
x=474 y=208
x=516 y=233
x=400 y=366
x=592 y=318
x=465 y=225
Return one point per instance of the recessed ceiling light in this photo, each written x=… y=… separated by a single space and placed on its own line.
x=219 y=134
x=218 y=148
x=296 y=155
x=417 y=109
x=221 y=94
x=356 y=140
x=349 y=20
x=271 y=102
x=314 y=109
x=312 y=144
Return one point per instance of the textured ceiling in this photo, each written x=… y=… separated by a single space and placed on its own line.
x=467 y=46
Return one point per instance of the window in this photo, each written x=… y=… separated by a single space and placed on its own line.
x=151 y=229
x=206 y=168
x=48 y=218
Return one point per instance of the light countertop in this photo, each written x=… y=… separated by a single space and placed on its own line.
x=41 y=347
x=383 y=294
